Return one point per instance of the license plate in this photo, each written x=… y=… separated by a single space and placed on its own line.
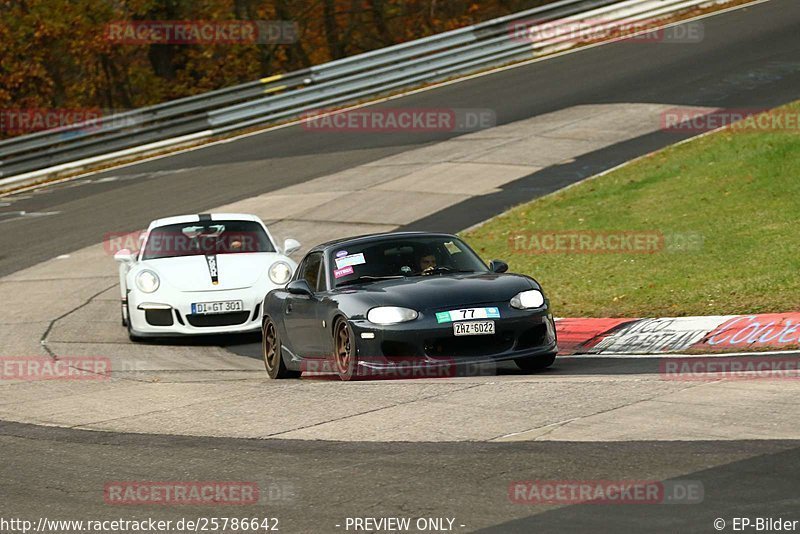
x=223 y=306
x=473 y=328
x=467 y=314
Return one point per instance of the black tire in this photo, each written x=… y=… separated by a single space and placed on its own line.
x=537 y=363
x=271 y=351
x=345 y=355
x=123 y=311
x=133 y=337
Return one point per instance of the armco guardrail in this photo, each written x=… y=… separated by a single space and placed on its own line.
x=336 y=83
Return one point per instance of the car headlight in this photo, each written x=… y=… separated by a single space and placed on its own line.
x=147 y=281
x=528 y=299
x=391 y=315
x=280 y=272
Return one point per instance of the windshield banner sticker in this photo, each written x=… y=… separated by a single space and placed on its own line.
x=348 y=261
x=212 y=268
x=467 y=314
x=344 y=271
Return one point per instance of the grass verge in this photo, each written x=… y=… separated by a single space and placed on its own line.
x=725 y=208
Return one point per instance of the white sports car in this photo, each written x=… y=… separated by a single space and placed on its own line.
x=201 y=274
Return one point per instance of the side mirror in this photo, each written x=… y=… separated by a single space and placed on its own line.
x=290 y=245
x=124 y=256
x=498 y=266
x=299 y=287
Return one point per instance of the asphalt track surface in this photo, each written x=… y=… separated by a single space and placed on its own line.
x=749 y=59
x=317 y=485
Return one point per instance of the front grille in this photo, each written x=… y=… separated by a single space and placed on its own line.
x=469 y=346
x=218 y=319
x=532 y=337
x=158 y=317
x=398 y=349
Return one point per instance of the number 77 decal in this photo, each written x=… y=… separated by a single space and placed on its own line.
x=467 y=313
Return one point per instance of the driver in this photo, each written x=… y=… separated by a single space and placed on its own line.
x=426 y=261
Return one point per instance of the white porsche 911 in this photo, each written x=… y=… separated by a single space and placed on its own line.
x=201 y=274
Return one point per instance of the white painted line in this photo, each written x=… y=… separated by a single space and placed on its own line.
x=382 y=100
x=15 y=215
x=40 y=213
x=551 y=426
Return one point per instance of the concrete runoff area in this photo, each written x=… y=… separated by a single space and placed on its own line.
x=199 y=388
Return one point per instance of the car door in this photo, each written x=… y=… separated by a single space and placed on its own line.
x=300 y=311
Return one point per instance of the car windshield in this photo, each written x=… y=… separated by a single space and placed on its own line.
x=402 y=257
x=205 y=238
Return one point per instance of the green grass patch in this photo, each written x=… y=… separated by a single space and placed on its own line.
x=727 y=204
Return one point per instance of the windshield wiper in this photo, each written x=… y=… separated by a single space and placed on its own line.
x=366 y=278
x=443 y=269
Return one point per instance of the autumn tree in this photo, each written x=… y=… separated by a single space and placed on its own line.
x=58 y=54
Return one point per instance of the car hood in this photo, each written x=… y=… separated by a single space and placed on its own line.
x=192 y=273
x=443 y=291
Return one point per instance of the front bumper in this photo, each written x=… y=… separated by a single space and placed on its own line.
x=518 y=334
x=150 y=316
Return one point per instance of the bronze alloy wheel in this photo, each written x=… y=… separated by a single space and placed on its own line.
x=344 y=351
x=270 y=348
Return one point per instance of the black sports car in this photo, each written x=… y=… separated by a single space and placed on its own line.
x=364 y=305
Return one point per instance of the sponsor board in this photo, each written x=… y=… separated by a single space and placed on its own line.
x=577 y=335
x=767 y=331
x=719 y=333
x=648 y=336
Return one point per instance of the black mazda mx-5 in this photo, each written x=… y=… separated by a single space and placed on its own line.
x=378 y=301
